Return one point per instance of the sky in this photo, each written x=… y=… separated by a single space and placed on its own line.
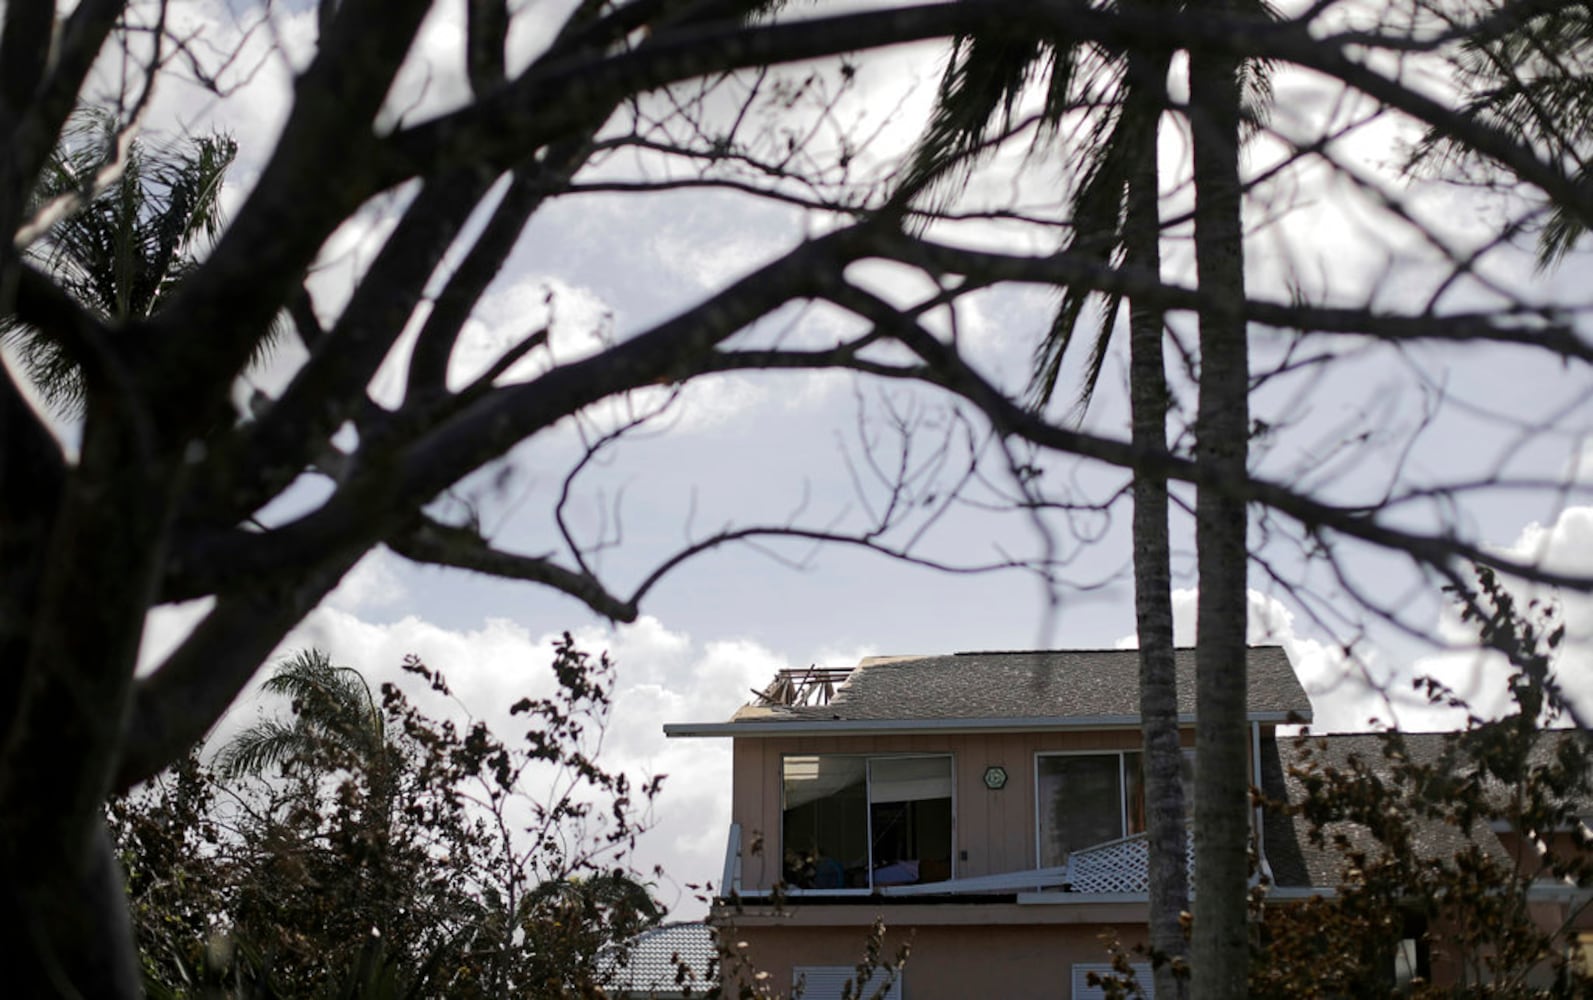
x=745 y=449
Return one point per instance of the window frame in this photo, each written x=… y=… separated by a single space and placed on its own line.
x=1122 y=792
x=868 y=803
x=1122 y=788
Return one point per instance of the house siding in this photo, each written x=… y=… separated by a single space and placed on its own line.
x=996 y=829
x=947 y=962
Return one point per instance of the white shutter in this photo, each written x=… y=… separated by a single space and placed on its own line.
x=1082 y=990
x=826 y=982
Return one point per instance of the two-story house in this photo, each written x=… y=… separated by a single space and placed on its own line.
x=988 y=806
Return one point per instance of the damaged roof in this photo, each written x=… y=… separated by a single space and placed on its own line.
x=1006 y=690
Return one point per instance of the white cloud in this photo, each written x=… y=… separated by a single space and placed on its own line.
x=579 y=324
x=253 y=54
x=372 y=583
x=533 y=27
x=432 y=79
x=712 y=262
x=1353 y=693
x=1347 y=693
x=1563 y=546
x=577 y=321
x=350 y=248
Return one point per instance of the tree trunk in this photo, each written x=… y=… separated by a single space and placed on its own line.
x=58 y=875
x=1222 y=815
x=1153 y=611
x=71 y=934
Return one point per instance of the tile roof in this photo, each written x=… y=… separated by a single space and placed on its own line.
x=649 y=966
x=1057 y=684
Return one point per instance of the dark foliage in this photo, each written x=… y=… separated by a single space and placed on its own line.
x=435 y=860
x=1449 y=843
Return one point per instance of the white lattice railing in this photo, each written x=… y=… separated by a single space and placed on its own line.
x=1118 y=865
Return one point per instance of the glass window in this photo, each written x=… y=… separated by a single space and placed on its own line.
x=1089 y=799
x=825 y=826
x=854 y=822
x=1081 y=802
x=1412 y=957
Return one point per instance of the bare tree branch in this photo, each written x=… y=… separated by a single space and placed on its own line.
x=448 y=545
x=1443 y=552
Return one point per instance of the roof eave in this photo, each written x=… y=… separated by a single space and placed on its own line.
x=895 y=727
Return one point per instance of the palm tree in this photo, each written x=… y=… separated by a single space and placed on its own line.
x=577 y=930
x=130 y=242
x=335 y=721
x=344 y=864
x=1115 y=221
x=1220 y=948
x=1535 y=83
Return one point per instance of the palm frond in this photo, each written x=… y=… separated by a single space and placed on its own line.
x=1534 y=83
x=1255 y=76
x=125 y=248
x=188 y=182
x=1560 y=233
x=615 y=891
x=268 y=743
x=332 y=709
x=332 y=698
x=980 y=92
x=1122 y=137
x=984 y=80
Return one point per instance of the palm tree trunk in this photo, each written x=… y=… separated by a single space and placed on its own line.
x=1153 y=611
x=1222 y=827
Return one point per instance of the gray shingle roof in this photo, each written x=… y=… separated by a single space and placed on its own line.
x=650 y=967
x=1060 y=684
x=1296 y=862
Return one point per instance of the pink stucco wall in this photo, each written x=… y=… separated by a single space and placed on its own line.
x=945 y=962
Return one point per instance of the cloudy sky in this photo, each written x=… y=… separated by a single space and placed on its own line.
x=740 y=450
